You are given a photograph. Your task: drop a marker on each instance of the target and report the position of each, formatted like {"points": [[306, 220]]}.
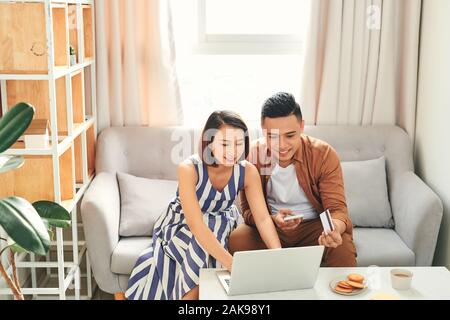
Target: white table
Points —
{"points": [[428, 283]]}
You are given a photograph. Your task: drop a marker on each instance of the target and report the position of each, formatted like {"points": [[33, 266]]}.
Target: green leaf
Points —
{"points": [[14, 123], [15, 247], [49, 229], [54, 214], [8, 163], [24, 225], [46, 224]]}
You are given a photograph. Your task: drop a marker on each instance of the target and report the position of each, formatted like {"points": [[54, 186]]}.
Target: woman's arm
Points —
{"points": [[255, 198], [187, 179]]}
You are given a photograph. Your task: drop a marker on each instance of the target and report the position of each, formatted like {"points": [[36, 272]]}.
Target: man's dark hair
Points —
{"points": [[215, 121], [281, 105]]}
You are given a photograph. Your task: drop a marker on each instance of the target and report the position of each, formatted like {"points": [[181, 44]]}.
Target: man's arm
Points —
{"points": [[245, 208], [332, 192], [261, 216], [243, 202]]}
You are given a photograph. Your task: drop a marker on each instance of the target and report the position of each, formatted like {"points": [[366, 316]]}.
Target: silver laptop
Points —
{"points": [[272, 270]]}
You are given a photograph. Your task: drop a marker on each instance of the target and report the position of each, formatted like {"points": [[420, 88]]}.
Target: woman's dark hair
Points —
{"points": [[215, 121], [281, 105]]}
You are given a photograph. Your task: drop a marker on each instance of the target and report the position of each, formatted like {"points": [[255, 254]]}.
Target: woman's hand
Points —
{"points": [[187, 179], [258, 207], [229, 263]]}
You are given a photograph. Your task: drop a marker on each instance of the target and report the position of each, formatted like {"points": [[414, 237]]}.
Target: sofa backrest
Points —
{"points": [[155, 152]]}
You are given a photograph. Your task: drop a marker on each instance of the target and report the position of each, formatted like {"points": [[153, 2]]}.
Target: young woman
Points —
{"points": [[193, 232]]}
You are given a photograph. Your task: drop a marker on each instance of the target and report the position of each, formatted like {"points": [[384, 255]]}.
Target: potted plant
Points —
{"points": [[73, 56], [28, 226]]}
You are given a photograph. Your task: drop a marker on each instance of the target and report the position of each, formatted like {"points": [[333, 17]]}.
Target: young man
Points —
{"points": [[299, 174]]}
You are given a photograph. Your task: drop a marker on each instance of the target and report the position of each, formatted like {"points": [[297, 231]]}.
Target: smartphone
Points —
{"points": [[293, 217]]}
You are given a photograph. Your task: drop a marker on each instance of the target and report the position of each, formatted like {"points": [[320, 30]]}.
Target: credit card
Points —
{"points": [[327, 223]]}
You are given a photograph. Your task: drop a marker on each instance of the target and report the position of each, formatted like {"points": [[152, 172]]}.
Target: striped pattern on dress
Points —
{"points": [[170, 267]]}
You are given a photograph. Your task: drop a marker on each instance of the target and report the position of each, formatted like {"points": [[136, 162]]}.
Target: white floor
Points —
{"points": [[97, 294]]}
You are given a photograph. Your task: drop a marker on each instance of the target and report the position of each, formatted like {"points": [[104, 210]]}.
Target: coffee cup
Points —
{"points": [[401, 279]]}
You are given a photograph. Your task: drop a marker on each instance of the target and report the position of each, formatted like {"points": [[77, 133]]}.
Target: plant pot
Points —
{"points": [[73, 60]]}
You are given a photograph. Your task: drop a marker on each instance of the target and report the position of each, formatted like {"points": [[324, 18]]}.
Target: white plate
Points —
{"points": [[355, 292]]}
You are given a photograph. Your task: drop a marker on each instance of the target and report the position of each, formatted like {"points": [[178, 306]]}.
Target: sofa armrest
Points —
{"points": [[417, 213], [100, 211]]}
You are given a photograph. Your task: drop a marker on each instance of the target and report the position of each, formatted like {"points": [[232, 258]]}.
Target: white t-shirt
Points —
{"points": [[284, 192]]}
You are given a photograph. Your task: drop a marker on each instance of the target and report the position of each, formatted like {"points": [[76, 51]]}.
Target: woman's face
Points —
{"points": [[228, 145]]}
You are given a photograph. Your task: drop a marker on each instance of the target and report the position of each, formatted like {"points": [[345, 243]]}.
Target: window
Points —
{"points": [[234, 54], [250, 26]]}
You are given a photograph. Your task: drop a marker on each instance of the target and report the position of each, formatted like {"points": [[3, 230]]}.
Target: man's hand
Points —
{"points": [[286, 225], [333, 239]]}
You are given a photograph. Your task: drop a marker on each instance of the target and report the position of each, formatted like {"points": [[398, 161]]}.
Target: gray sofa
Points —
{"points": [[408, 239]]}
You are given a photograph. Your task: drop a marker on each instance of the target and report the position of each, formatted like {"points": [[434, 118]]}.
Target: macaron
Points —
{"points": [[356, 285], [355, 277], [344, 284], [343, 290]]}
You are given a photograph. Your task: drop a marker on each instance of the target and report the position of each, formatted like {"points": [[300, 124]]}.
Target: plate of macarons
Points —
{"points": [[349, 285]]}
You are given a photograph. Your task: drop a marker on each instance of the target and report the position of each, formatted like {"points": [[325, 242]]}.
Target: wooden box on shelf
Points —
{"points": [[88, 32], [88, 91], [23, 36], [36, 92], [78, 153], [90, 154], [34, 180], [73, 32], [78, 101], [60, 35], [37, 135]]}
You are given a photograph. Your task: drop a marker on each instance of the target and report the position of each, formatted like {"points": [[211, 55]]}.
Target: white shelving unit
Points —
{"points": [[73, 129]]}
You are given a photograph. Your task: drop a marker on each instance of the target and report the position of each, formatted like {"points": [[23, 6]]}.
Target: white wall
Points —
{"points": [[432, 149]]}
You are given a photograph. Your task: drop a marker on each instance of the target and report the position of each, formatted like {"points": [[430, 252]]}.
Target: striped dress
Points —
{"points": [[170, 267]]}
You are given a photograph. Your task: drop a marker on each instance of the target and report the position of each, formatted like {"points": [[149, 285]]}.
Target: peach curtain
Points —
{"points": [[136, 76], [361, 62]]}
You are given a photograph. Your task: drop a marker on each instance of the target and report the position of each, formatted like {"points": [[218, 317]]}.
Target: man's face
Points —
{"points": [[283, 136]]}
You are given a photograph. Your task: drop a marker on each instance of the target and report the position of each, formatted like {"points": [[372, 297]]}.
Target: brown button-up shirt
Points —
{"points": [[319, 174]]}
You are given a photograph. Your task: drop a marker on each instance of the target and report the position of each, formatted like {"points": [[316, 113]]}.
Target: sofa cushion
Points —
{"points": [[127, 252], [367, 194], [381, 247], [142, 201]]}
